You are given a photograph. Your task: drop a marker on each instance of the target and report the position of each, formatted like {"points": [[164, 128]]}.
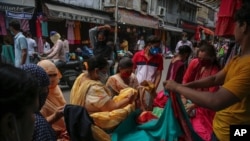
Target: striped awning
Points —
{"points": [[214, 4]]}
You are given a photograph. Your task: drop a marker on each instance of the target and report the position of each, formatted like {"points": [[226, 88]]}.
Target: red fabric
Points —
{"points": [[225, 24], [38, 29], [197, 36], [202, 121], [145, 117], [160, 100]]}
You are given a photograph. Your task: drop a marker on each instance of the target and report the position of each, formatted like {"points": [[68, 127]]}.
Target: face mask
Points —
{"points": [[125, 75], [12, 33], [101, 43], [103, 77], [154, 50], [184, 39], [205, 62]]}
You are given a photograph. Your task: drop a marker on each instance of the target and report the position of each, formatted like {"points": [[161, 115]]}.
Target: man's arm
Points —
{"points": [[215, 101], [92, 34], [214, 80], [24, 56], [55, 49], [24, 49], [157, 78]]}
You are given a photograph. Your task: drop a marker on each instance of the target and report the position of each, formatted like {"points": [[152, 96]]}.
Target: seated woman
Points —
{"points": [[43, 130], [88, 91], [124, 77], [55, 101]]}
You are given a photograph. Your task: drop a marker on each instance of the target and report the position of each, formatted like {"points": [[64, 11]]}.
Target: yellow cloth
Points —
{"points": [[81, 94], [237, 81], [55, 98], [116, 84]]}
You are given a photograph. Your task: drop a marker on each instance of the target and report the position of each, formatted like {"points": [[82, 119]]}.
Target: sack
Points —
{"points": [[146, 95]]}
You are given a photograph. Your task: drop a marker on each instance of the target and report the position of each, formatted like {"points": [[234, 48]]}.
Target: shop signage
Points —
{"points": [[16, 8], [134, 18], [19, 15], [71, 16]]}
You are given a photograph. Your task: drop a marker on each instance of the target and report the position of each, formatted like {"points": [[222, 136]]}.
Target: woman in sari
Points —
{"points": [[201, 67], [89, 91], [176, 71], [124, 77], [55, 102]]}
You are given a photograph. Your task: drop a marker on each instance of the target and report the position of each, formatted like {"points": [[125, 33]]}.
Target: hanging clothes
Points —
{"points": [[70, 34], [77, 30], [25, 26], [39, 34], [45, 28], [2, 25]]}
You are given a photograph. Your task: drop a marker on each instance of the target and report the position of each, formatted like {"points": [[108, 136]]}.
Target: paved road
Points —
{"points": [[66, 90]]}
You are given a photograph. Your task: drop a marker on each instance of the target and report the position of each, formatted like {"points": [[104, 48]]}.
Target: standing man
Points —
{"points": [[66, 47], [232, 101], [20, 44], [32, 46], [148, 63], [46, 45], [98, 39], [183, 41]]}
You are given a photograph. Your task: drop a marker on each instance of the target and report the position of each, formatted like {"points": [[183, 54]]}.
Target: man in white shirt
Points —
{"points": [[32, 46], [46, 45], [183, 41], [66, 47]]}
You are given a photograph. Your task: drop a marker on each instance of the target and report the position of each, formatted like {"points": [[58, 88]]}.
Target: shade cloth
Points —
{"points": [[225, 24]]}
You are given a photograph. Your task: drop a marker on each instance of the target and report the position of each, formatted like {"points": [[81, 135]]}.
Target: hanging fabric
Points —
{"points": [[77, 32], [70, 33], [3, 30]]}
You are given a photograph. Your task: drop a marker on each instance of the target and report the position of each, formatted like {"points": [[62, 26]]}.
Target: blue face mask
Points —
{"points": [[154, 50], [12, 32]]}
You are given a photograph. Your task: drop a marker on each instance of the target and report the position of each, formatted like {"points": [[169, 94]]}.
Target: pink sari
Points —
{"points": [[202, 121]]}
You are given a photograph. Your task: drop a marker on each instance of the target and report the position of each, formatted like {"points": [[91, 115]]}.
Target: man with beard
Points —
{"points": [[98, 39]]}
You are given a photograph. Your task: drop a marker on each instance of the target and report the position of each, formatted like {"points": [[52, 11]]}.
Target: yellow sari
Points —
{"points": [[93, 94]]}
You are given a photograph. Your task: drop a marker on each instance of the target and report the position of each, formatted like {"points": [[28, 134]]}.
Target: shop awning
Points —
{"points": [[172, 28], [20, 9], [132, 17], [206, 30], [79, 14]]}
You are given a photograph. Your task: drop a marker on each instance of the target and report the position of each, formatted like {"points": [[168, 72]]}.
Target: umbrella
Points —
{"points": [[225, 24]]}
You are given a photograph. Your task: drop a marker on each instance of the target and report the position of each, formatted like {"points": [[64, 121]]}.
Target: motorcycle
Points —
{"points": [[69, 70]]}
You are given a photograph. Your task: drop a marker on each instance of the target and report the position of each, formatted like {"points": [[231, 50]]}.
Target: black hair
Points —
{"points": [[15, 24], [97, 62], [243, 14], [18, 90], [125, 62], [185, 49], [153, 39], [211, 51]]}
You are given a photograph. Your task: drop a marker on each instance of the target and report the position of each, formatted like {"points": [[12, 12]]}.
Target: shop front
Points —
{"points": [[73, 22]]}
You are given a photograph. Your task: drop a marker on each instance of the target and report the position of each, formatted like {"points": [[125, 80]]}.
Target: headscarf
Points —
{"points": [[54, 36], [42, 78], [43, 130], [51, 68], [55, 98]]}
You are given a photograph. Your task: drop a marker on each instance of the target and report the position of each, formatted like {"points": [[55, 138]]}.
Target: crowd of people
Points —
{"points": [[214, 94]]}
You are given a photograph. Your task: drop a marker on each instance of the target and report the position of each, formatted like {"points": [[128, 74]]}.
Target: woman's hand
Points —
{"points": [[189, 107]]}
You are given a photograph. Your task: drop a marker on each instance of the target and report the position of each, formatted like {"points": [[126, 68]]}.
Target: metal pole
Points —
{"points": [[116, 22]]}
